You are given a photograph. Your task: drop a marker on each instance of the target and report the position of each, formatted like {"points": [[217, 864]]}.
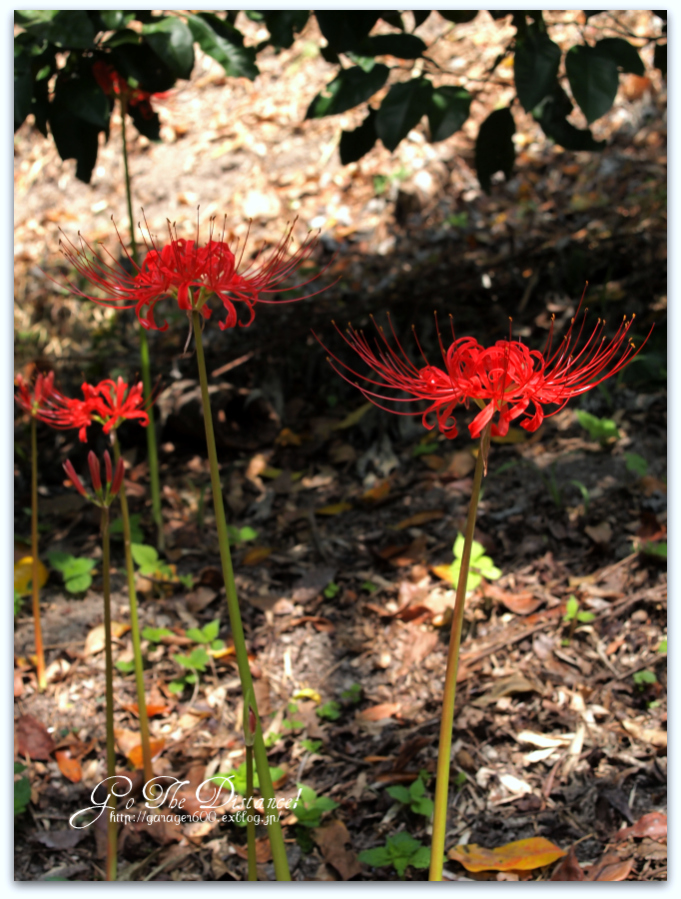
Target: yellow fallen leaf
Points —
{"points": [[334, 509], [307, 693], [23, 575], [256, 555], [379, 492], [444, 572], [94, 642], [353, 417], [521, 855]]}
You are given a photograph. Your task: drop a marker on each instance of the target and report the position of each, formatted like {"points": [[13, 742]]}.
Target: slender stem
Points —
{"points": [[267, 790], [447, 722], [35, 578], [135, 627], [111, 827], [250, 816], [145, 364]]}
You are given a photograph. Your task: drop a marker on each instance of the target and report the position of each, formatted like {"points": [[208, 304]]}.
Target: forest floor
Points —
{"points": [[344, 516]]}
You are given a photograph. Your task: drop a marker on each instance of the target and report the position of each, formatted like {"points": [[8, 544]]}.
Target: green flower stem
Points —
{"points": [[35, 579], [250, 816], [145, 364], [266, 789], [111, 827], [447, 722], [135, 627]]}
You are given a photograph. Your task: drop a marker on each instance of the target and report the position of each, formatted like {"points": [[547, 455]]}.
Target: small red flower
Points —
{"points": [[109, 403], [190, 272], [114, 85], [506, 378], [41, 399]]}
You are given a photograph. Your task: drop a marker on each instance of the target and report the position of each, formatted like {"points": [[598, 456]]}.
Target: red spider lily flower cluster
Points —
{"points": [[190, 272], [114, 85], [103, 495], [110, 403], [40, 399], [506, 378]]}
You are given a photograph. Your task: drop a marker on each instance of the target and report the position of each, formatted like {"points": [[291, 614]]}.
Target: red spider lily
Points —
{"points": [[41, 399], [507, 377], [190, 272], [114, 85], [110, 403], [114, 479]]}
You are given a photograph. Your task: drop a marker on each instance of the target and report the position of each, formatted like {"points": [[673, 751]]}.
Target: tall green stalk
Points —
{"points": [[266, 789], [111, 826], [134, 626], [145, 364], [449, 696], [35, 578]]}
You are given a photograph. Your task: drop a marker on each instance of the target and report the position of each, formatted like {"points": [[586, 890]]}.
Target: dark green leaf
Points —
{"points": [[124, 36], [622, 53], [346, 29], [377, 857], [349, 88], [284, 24], [588, 13], [171, 40], [23, 88], [593, 79], [494, 151], [403, 46], [401, 109], [354, 144], [660, 58], [552, 115], [447, 110], [84, 98], [420, 16], [145, 120], [114, 19], [74, 137], [68, 29], [536, 66], [460, 16], [393, 18], [224, 43], [22, 795], [136, 62]]}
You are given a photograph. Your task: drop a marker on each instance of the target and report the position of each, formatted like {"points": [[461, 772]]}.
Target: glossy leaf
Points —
{"points": [[536, 66], [23, 86], [224, 43], [402, 109], [348, 89], [623, 54], [284, 24], [355, 144], [494, 150], [403, 46], [593, 80], [552, 115], [68, 29], [448, 109], [346, 29], [171, 40]]}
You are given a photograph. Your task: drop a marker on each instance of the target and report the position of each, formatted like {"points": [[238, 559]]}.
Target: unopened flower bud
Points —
{"points": [[107, 467], [95, 474], [73, 477], [118, 477]]}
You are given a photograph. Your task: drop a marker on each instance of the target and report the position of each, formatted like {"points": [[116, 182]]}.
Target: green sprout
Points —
{"points": [[413, 796], [481, 566], [401, 850]]}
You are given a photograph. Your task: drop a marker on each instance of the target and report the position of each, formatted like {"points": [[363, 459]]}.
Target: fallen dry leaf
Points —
{"points": [[69, 767], [18, 683], [599, 533], [420, 518], [568, 868], [507, 686], [23, 575], [334, 509], [518, 603], [654, 736], [378, 712], [520, 855], [94, 642], [60, 839], [263, 851], [653, 825], [332, 840], [32, 738], [134, 756], [609, 868], [376, 493], [256, 555]]}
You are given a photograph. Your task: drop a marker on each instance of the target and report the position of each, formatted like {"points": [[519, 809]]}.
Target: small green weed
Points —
{"points": [[414, 796], [642, 679], [636, 464], [199, 659], [663, 645], [401, 850], [331, 590], [573, 613], [76, 572], [309, 808], [136, 532], [602, 429], [22, 790], [18, 602], [311, 745], [241, 535], [481, 566], [353, 694], [330, 710]]}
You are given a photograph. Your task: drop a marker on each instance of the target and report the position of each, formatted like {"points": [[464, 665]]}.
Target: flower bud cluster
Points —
{"points": [[104, 494]]}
